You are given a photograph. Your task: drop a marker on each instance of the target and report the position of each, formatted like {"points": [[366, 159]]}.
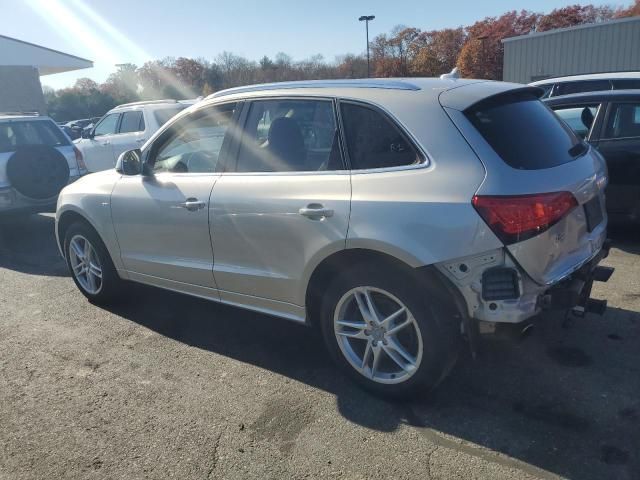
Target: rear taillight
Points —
{"points": [[79, 158], [517, 218]]}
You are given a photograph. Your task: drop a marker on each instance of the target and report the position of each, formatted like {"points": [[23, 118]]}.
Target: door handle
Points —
{"points": [[192, 204], [315, 211], [106, 143]]}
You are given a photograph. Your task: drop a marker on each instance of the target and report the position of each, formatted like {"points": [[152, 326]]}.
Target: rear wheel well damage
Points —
{"points": [[427, 279]]}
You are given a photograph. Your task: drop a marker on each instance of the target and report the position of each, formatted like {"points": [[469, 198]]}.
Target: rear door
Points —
{"points": [[98, 151], [620, 145], [130, 134], [282, 205]]}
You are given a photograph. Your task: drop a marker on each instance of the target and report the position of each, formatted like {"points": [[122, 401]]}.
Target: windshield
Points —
{"points": [[16, 133], [524, 132]]}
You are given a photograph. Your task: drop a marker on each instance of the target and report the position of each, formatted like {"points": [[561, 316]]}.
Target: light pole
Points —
{"points": [[366, 19]]}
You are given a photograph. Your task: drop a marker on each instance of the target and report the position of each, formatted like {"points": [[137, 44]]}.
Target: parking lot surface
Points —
{"points": [[167, 386]]}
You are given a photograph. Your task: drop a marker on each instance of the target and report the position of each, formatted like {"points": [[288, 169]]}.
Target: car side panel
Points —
{"points": [[422, 215]]}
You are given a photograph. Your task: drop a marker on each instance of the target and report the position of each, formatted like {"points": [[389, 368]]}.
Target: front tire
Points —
{"points": [[387, 334], [90, 264]]}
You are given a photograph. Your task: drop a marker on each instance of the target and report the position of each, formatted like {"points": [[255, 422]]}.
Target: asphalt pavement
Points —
{"points": [[166, 386]]}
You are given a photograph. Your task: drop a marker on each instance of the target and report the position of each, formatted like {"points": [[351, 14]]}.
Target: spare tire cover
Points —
{"points": [[38, 171]]}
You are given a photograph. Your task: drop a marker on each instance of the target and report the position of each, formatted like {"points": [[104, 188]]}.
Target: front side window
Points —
{"points": [[132, 122], [579, 117], [373, 141], [623, 121], [194, 143], [107, 126], [290, 136], [524, 133]]}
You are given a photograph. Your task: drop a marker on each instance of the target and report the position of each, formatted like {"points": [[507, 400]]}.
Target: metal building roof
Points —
{"points": [[14, 52]]}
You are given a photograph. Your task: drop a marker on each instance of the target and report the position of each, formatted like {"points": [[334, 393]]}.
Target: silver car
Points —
{"points": [[396, 215]]}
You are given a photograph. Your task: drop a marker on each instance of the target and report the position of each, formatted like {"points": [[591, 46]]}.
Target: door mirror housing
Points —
{"points": [[130, 162], [87, 133]]}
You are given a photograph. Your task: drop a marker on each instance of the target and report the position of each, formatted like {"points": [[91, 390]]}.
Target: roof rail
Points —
{"points": [[360, 83], [17, 114], [147, 102]]}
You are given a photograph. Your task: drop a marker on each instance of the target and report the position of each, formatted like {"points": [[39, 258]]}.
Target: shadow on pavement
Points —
{"points": [[28, 245], [566, 400], [545, 401]]}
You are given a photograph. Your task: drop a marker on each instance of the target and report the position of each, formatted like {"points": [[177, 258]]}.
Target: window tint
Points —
{"points": [[623, 121], [194, 143], [132, 122], [290, 136], [107, 125], [16, 133], [164, 114], [373, 141], [626, 84], [583, 86], [580, 118], [524, 132]]}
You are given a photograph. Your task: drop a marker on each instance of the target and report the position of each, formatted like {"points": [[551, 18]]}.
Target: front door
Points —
{"points": [[620, 146], [162, 218], [131, 133], [98, 151], [281, 205]]}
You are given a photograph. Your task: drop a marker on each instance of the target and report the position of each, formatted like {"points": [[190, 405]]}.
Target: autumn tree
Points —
{"points": [[632, 11], [574, 15], [483, 52]]}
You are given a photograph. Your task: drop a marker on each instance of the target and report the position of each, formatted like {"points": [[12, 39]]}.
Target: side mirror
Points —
{"points": [[86, 133], [130, 162]]}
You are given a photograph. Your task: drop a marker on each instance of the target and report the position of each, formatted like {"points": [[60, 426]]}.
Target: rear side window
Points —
{"points": [[373, 140], [623, 121], [567, 88], [14, 134], [524, 132], [132, 122]]}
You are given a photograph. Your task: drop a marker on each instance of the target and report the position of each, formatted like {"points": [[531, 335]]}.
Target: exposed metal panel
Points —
{"points": [[604, 47]]}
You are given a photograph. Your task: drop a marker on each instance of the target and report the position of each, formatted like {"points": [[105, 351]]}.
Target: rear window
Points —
{"points": [[524, 132], [14, 134], [164, 114]]}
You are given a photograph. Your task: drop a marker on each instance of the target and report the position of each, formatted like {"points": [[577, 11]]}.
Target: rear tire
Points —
{"points": [[402, 346], [90, 264]]}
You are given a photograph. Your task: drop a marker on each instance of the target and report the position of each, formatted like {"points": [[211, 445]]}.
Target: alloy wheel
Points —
{"points": [[378, 335], [85, 264]]}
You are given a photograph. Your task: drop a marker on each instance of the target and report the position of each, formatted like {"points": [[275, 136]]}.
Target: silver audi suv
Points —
{"points": [[396, 215]]}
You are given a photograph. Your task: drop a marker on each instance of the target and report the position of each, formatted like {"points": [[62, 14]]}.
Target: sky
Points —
{"points": [[109, 32]]}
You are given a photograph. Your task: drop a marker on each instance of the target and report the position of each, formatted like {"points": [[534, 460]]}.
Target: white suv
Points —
{"points": [[123, 128]]}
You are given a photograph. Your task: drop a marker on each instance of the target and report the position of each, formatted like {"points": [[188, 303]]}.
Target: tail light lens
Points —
{"points": [[79, 158], [517, 218]]}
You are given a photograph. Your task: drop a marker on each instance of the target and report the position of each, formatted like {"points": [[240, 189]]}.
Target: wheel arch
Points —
{"points": [[426, 277], [65, 220]]}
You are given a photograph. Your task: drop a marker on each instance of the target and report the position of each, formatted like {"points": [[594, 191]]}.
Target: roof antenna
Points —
{"points": [[452, 75]]}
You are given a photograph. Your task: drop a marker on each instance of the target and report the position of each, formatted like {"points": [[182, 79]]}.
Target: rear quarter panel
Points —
{"points": [[421, 215]]}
